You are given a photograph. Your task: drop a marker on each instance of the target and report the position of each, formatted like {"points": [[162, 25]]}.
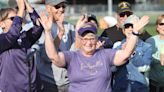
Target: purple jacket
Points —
{"points": [[13, 66], [9, 38]]}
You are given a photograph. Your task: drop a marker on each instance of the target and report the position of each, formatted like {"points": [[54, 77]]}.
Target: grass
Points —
{"points": [[151, 28]]}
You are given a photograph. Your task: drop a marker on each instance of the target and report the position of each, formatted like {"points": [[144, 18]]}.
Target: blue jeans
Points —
{"points": [[130, 86]]}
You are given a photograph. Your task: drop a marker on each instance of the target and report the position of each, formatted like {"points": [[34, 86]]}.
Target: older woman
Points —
{"points": [[14, 73], [130, 76], [89, 69], [156, 72], [9, 36]]}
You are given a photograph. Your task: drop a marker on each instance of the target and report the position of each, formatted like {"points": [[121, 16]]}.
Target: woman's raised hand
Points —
{"points": [[46, 21], [141, 23]]}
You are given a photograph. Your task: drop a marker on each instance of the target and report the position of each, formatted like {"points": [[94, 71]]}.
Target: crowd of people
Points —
{"points": [[49, 54]]}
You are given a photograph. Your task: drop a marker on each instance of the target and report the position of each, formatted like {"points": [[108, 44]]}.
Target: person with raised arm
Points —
{"points": [[53, 78], [14, 69], [89, 66], [130, 77]]}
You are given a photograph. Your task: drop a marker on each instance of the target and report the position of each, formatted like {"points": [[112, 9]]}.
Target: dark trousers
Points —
{"points": [[154, 85], [49, 87]]}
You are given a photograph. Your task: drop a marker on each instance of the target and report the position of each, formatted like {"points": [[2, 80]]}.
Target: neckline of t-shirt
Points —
{"points": [[81, 54]]}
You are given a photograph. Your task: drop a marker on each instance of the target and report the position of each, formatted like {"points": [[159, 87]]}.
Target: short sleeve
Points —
{"points": [[68, 57], [109, 55]]}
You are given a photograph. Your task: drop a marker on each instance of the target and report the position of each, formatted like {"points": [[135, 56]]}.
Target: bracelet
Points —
{"points": [[136, 34]]}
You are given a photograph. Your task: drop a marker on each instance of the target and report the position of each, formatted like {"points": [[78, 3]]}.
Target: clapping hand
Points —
{"points": [[162, 55], [46, 21], [83, 19], [99, 44], [162, 59], [21, 7], [141, 23], [28, 6], [20, 4]]}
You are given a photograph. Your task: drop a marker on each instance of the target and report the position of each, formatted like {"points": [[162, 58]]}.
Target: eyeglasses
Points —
{"points": [[161, 24], [60, 5], [128, 25], [92, 40], [125, 13]]}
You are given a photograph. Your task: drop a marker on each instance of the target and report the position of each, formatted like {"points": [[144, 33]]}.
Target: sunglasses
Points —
{"points": [[11, 18], [60, 5], [128, 25], [161, 24], [125, 13]]}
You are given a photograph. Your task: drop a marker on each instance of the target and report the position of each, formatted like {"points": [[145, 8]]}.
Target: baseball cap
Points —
{"points": [[123, 7], [92, 17], [131, 19], [54, 2], [88, 28]]}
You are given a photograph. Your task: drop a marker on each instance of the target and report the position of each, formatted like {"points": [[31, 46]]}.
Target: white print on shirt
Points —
{"points": [[91, 68]]}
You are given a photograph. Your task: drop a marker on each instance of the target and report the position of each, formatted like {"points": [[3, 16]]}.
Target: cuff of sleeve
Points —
{"points": [[17, 20]]}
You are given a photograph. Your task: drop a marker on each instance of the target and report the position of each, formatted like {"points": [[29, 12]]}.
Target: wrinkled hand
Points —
{"points": [[21, 8], [25, 1], [83, 19], [100, 44], [141, 23], [21, 4], [46, 21], [28, 6]]}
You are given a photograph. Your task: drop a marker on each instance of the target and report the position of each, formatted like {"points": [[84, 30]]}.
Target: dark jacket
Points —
{"points": [[9, 38], [114, 34]]}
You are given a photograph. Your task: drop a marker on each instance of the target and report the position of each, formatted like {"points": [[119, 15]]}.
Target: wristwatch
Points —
{"points": [[135, 33]]}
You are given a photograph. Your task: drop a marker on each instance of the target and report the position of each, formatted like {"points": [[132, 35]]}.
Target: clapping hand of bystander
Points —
{"points": [[162, 56]]}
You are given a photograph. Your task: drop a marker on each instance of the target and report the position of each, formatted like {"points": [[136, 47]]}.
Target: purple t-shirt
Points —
{"points": [[90, 74]]}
